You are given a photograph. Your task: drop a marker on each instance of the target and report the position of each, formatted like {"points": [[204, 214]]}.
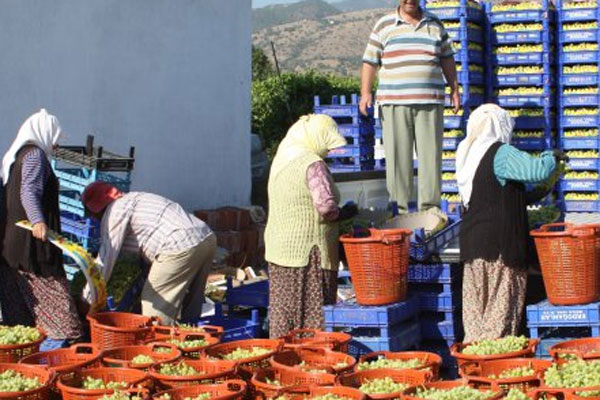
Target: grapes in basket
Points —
{"points": [[18, 334], [142, 359], [329, 396], [382, 386], [516, 394], [179, 369], [241, 354], [504, 345], [517, 372], [119, 395], [97, 383], [574, 374], [457, 393], [12, 381], [188, 344], [202, 396], [380, 363]]}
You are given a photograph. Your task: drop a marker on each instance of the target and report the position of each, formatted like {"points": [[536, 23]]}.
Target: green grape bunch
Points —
{"points": [[142, 359], [516, 394], [413, 363], [241, 354], [382, 386], [12, 381], [457, 393], [188, 344], [508, 344], [18, 334], [90, 383], [329, 396], [120, 395], [202, 396], [517, 372], [178, 369]]}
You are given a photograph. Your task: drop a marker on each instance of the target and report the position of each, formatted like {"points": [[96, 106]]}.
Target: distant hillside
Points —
{"points": [[357, 5], [285, 13], [333, 44]]}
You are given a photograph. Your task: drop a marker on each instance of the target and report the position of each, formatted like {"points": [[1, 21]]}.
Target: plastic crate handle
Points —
{"points": [[84, 348]]}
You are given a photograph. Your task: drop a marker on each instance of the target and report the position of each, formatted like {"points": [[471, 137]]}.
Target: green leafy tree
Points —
{"points": [[261, 65]]}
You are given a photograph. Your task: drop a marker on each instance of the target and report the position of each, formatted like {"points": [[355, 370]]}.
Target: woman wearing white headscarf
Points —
{"points": [[301, 237], [34, 286], [493, 239]]}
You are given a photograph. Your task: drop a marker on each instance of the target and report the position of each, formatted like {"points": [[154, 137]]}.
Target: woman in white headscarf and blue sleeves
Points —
{"points": [[491, 177], [34, 289]]}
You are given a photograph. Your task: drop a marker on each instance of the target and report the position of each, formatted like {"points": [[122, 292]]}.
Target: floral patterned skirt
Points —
{"points": [[297, 295], [493, 299]]}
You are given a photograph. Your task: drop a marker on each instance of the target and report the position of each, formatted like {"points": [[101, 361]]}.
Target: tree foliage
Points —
{"points": [[261, 65]]}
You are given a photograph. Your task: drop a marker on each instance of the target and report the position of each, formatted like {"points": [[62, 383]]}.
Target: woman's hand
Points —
{"points": [[40, 231]]}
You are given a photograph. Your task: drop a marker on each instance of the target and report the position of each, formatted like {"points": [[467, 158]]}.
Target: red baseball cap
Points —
{"points": [[98, 195]]}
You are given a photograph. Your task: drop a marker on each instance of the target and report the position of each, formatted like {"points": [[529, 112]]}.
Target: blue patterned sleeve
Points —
{"points": [[34, 174], [513, 164]]}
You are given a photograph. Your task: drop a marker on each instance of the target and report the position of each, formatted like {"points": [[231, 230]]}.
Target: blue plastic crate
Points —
{"points": [[380, 164], [545, 314], [501, 17], [71, 204], [521, 37], [440, 330], [468, 100], [523, 80], [449, 165], [579, 121], [341, 168], [583, 164], [451, 143], [455, 121], [581, 205], [92, 244], [357, 151], [579, 14], [523, 58], [580, 185], [353, 315], [534, 123], [409, 339], [465, 56], [580, 36], [77, 179], [579, 79], [575, 143], [579, 100], [531, 143], [441, 348], [353, 130], [438, 301], [526, 101], [450, 186], [250, 295], [452, 208], [551, 336], [422, 248], [470, 78], [466, 33], [454, 13], [340, 108], [82, 227], [235, 328], [433, 273], [579, 57]]}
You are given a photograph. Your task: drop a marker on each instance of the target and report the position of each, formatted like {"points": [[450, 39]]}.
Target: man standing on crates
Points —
{"points": [[180, 247], [413, 53]]}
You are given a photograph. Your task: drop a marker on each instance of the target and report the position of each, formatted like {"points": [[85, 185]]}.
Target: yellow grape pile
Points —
{"points": [[573, 47], [528, 134], [520, 48], [451, 4], [520, 91], [472, 46], [580, 4], [521, 69], [580, 111], [503, 28], [448, 176], [582, 196], [579, 26], [525, 5], [449, 113], [581, 133], [526, 112], [582, 154], [472, 90], [448, 155], [472, 68], [452, 198], [580, 69], [581, 175], [456, 25], [588, 90], [453, 133]]}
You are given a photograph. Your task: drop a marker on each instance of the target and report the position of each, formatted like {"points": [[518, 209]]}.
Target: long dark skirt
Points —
{"points": [[297, 295], [29, 299]]}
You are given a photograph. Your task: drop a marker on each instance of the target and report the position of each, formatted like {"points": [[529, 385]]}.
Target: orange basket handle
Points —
{"points": [[164, 330], [569, 230], [473, 380], [370, 356], [471, 367], [234, 385], [162, 345], [537, 394], [84, 348], [394, 237]]}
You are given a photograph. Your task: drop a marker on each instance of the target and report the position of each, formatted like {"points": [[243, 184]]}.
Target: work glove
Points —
{"points": [[349, 210]]}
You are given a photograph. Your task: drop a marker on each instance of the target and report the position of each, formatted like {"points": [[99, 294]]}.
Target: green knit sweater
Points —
{"points": [[294, 226]]}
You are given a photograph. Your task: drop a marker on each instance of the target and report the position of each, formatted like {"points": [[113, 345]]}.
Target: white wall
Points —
{"points": [[171, 77]]}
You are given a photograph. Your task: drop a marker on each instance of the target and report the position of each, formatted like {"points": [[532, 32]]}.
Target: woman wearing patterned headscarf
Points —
{"points": [[301, 237], [34, 285], [493, 239]]}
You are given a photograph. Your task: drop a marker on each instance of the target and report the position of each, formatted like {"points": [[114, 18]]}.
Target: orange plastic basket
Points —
{"points": [[210, 371], [569, 259], [121, 356], [70, 386], [585, 349], [229, 390], [67, 360], [431, 361], [314, 359], [545, 393], [337, 341], [407, 376], [457, 348], [247, 366], [379, 265], [340, 391], [292, 379], [190, 352], [12, 353], [118, 329], [166, 332], [478, 374], [410, 393], [44, 376]]}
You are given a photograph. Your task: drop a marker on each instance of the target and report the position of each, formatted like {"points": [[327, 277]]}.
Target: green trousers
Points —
{"points": [[403, 127]]}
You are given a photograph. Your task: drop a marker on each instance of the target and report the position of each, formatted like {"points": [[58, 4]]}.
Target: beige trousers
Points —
{"points": [[176, 283]]}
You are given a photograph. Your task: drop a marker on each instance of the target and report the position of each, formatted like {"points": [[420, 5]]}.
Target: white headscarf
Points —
{"points": [[487, 125], [41, 129], [315, 134]]}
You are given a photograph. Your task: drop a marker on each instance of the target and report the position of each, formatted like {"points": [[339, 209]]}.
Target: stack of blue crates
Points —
{"points": [[76, 167], [579, 83], [465, 25], [393, 327], [555, 324], [521, 78], [358, 130], [438, 287]]}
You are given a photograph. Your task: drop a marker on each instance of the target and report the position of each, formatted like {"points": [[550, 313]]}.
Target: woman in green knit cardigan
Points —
{"points": [[301, 237]]}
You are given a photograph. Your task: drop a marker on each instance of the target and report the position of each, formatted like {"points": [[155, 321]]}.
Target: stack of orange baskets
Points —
{"points": [[378, 265], [117, 329], [569, 257]]}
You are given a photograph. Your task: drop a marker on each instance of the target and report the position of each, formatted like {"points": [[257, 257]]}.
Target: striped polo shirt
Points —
{"points": [[409, 57]]}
